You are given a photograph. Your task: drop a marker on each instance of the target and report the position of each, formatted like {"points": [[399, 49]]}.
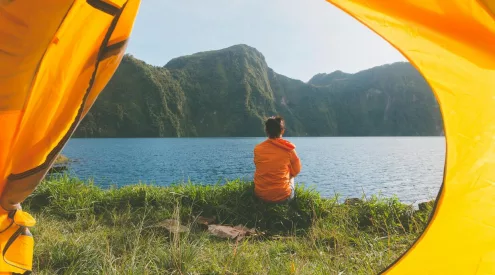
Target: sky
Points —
{"points": [[299, 38]]}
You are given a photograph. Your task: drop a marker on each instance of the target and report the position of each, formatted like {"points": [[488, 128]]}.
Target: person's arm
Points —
{"points": [[295, 164]]}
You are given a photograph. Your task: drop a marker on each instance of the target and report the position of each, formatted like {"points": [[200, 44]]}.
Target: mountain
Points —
{"points": [[230, 92], [327, 79]]}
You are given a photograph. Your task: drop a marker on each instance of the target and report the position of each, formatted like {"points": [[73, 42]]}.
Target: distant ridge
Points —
{"points": [[229, 92]]}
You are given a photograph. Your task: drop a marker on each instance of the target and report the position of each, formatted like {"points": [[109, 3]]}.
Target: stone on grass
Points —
{"points": [[230, 232], [205, 221], [173, 226]]}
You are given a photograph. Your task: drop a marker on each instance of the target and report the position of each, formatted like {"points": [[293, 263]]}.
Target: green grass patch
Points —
{"points": [[84, 229]]}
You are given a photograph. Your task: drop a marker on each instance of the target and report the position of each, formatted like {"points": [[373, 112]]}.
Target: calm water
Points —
{"points": [[411, 168]]}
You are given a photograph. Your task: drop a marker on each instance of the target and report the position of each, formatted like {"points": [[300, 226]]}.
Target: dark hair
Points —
{"points": [[274, 126]]}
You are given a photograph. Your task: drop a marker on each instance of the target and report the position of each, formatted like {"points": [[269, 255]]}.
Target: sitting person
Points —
{"points": [[276, 164]]}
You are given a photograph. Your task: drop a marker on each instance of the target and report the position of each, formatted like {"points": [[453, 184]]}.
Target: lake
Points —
{"points": [[409, 167]]}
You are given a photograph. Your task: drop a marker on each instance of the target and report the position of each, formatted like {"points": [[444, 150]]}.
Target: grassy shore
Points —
{"points": [[83, 229]]}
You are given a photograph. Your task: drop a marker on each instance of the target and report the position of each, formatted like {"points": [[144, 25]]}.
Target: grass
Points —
{"points": [[83, 229]]}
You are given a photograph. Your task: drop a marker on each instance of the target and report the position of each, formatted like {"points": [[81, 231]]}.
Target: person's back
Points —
{"points": [[276, 164]]}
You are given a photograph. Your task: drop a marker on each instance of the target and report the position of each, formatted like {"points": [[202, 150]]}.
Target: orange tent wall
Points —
{"points": [[452, 44]]}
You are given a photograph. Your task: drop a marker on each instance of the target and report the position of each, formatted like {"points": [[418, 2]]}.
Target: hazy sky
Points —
{"points": [[299, 38]]}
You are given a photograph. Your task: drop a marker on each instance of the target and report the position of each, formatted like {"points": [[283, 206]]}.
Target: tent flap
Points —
{"points": [[56, 56], [451, 44]]}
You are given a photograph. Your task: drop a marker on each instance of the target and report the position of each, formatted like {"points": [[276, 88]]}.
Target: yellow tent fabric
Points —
{"points": [[55, 58], [452, 43], [57, 55]]}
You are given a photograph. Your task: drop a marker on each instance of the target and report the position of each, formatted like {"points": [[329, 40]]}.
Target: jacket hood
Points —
{"points": [[280, 142]]}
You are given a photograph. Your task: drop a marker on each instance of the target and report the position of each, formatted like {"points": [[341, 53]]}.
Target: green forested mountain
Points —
{"points": [[230, 92]]}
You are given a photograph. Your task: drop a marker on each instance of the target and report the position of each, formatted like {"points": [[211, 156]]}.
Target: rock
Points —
{"points": [[60, 165], [61, 160], [205, 221], [173, 226], [249, 231], [229, 232], [353, 201]]}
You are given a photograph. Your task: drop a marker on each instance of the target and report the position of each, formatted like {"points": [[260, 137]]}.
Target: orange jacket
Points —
{"points": [[276, 162]]}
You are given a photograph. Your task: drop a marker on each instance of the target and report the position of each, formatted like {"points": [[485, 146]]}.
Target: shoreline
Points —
{"points": [[256, 137], [338, 197]]}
